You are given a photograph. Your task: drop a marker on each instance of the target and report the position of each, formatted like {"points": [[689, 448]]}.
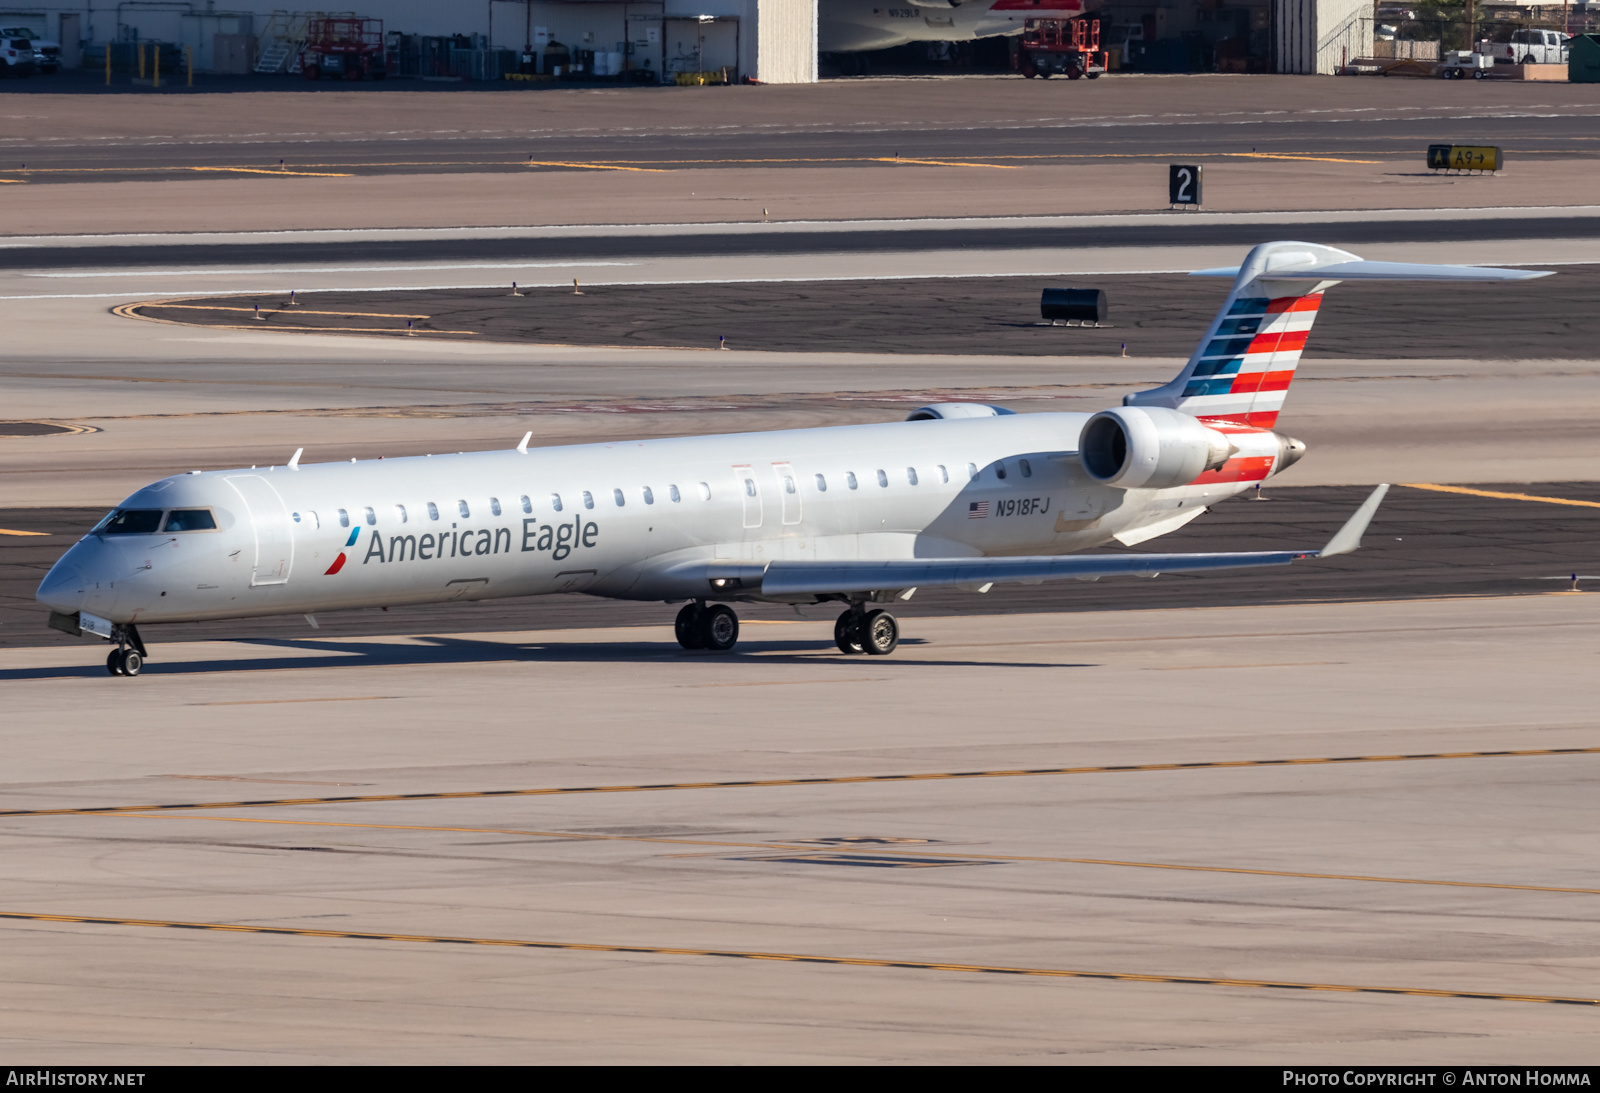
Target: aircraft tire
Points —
{"points": [[114, 662], [879, 633], [686, 627], [130, 662], [845, 632], [719, 628]]}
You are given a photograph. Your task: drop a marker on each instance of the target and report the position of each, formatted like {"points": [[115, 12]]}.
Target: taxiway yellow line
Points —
{"points": [[1286, 155], [770, 783], [846, 850], [1501, 496], [285, 311], [267, 171], [797, 958], [592, 166], [8, 531], [943, 163]]}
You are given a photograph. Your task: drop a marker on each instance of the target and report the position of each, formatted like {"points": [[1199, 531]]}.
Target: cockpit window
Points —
{"points": [[131, 522], [190, 520]]}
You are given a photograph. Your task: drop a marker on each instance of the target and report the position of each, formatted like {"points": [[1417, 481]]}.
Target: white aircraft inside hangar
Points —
{"points": [[963, 494]]}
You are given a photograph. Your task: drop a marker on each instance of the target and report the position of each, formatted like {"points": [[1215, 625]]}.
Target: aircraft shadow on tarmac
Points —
{"points": [[440, 650]]}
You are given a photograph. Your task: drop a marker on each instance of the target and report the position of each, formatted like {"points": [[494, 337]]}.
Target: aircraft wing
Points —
{"points": [[781, 579]]}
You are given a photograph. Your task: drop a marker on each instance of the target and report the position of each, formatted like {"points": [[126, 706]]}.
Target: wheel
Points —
{"points": [[844, 632], [879, 633], [1092, 75], [1044, 73], [114, 662], [1029, 73], [1477, 74], [719, 628], [130, 662], [1074, 73], [687, 626]]}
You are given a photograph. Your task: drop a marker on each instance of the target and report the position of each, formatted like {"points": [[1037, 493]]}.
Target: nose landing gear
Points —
{"points": [[127, 659]]}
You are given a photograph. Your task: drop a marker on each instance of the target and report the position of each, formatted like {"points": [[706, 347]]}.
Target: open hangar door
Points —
{"points": [[1290, 36]]}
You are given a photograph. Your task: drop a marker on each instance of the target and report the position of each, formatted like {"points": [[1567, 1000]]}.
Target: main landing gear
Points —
{"points": [[700, 627], [127, 659], [873, 632], [716, 628]]}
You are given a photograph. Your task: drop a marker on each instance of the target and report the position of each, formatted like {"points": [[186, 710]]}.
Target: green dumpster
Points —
{"points": [[1583, 61]]}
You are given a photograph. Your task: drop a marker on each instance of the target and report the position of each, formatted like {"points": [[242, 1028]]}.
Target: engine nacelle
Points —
{"points": [[946, 411], [1149, 447]]}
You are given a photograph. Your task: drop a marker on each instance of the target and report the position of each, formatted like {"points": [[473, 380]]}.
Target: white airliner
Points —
{"points": [[959, 494], [854, 26]]}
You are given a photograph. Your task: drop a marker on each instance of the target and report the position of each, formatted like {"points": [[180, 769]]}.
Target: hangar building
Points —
{"points": [[773, 41]]}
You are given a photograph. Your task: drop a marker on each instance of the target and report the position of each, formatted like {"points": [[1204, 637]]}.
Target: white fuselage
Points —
{"points": [[853, 26], [634, 518]]}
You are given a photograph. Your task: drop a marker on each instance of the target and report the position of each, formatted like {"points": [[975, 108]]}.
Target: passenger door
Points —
{"points": [[274, 536]]}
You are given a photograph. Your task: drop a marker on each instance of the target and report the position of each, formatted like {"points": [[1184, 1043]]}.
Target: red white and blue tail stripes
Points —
{"points": [[1243, 367]]}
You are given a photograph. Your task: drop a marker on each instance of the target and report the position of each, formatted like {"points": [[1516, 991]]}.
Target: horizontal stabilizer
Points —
{"points": [[1384, 271]]}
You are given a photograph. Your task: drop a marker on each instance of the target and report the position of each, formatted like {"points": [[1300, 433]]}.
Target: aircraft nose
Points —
{"points": [[62, 588]]}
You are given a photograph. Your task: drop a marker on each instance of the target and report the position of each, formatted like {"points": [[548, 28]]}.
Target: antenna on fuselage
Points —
{"points": [[523, 447]]}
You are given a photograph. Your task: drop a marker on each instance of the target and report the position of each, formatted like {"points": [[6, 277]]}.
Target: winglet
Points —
{"points": [[1348, 538], [294, 460], [523, 447]]}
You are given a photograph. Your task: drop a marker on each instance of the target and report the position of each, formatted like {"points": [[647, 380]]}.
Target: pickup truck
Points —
{"points": [[46, 54], [1529, 47]]}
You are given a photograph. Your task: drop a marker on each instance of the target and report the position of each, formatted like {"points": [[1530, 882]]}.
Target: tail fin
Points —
{"points": [[1240, 372]]}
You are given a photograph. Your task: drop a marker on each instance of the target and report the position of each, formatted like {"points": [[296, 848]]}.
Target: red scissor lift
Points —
{"points": [[346, 47], [1061, 47]]}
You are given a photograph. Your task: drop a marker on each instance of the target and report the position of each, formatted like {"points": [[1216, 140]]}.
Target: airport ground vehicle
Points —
{"points": [[1529, 47], [1061, 47], [958, 494], [1458, 64], [46, 53], [17, 57], [343, 47]]}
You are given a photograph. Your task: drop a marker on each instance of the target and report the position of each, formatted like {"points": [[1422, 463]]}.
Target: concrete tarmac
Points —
{"points": [[1450, 876]]}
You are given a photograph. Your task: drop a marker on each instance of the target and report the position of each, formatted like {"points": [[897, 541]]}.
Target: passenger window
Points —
{"points": [[616, 495], [749, 487], [883, 479], [850, 479], [911, 475], [588, 499], [527, 505], [822, 484], [344, 518], [466, 513], [494, 505], [295, 516], [649, 496], [131, 522], [1026, 467], [433, 511], [944, 475], [400, 511], [202, 520], [1000, 471], [788, 484], [672, 492], [555, 501], [972, 471], [372, 517], [705, 492]]}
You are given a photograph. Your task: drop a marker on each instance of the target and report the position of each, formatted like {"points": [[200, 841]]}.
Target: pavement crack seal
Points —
{"points": [[769, 783], [800, 958]]}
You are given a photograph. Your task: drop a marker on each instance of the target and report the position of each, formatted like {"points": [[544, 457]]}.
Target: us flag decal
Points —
{"points": [[977, 510]]}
